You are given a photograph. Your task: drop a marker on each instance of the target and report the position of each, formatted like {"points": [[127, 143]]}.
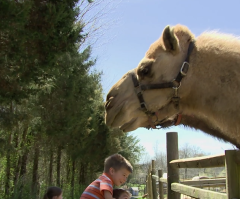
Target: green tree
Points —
{"points": [[33, 35], [130, 148], [52, 110]]}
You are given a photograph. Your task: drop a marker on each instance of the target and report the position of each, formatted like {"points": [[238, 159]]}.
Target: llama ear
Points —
{"points": [[169, 39]]}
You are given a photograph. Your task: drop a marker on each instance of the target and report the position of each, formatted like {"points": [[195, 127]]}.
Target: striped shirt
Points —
{"points": [[96, 189]]}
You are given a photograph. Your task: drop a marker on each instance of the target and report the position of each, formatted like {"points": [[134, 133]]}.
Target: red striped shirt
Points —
{"points": [[96, 189]]}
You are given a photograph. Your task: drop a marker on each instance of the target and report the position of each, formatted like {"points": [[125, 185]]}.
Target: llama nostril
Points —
{"points": [[108, 102], [109, 96]]}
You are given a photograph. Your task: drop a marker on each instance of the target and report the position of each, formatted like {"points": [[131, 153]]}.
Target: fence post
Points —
{"points": [[160, 185], [233, 173], [149, 184], [154, 188], [172, 154]]}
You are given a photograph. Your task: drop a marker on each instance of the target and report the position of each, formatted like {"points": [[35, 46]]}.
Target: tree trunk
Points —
{"points": [[19, 163], [68, 169], [91, 171], [8, 166], [72, 179], [82, 179], [50, 180], [35, 171], [23, 169], [17, 169], [15, 159], [8, 158], [59, 150], [16, 137]]}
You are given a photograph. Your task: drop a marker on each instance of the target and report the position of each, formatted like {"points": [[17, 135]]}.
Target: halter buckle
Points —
{"points": [[184, 70], [143, 105], [178, 86]]}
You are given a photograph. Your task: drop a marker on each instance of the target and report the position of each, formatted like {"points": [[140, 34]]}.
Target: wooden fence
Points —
{"points": [[231, 161]]}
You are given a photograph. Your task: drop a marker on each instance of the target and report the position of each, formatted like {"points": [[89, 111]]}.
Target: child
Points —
{"points": [[53, 193], [121, 194], [116, 172]]}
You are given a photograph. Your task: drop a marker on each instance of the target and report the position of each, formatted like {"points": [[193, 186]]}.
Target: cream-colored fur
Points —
{"points": [[210, 91]]}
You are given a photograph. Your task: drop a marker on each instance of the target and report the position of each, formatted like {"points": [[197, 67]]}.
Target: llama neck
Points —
{"points": [[211, 88], [203, 124]]}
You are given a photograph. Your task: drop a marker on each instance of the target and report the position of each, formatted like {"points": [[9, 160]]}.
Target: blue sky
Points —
{"points": [[137, 24]]}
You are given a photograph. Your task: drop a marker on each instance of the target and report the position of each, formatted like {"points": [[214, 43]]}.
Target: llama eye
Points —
{"points": [[145, 71]]}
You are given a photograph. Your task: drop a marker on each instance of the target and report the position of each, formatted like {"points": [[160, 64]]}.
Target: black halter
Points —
{"points": [[174, 84]]}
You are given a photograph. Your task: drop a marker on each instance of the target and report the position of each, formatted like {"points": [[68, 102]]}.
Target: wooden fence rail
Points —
{"points": [[231, 161]]}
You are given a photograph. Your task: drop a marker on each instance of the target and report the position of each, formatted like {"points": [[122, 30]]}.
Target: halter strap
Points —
{"points": [[185, 65], [175, 84], [178, 120]]}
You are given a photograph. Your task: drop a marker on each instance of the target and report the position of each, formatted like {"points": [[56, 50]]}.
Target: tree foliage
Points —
{"points": [[33, 35], [51, 102]]}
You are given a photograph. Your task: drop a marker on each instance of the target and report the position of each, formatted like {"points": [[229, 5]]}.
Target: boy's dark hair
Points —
{"points": [[51, 192], [117, 161], [118, 192]]}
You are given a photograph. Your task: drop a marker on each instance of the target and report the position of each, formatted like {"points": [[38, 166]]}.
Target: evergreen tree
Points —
{"points": [[51, 105], [33, 35]]}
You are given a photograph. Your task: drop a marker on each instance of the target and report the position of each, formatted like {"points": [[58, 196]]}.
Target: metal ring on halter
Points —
{"points": [[182, 68], [176, 87]]}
